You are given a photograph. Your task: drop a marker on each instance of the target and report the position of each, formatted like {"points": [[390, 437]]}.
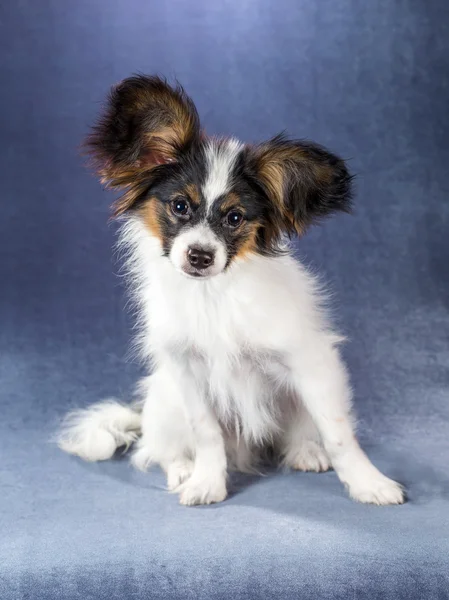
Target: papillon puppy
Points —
{"points": [[241, 353]]}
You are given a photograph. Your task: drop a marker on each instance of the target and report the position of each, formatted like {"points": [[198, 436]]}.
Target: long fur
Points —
{"points": [[96, 432], [239, 333], [241, 351]]}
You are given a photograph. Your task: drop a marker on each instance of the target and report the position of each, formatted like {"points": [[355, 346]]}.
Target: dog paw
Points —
{"points": [[310, 456], [202, 491], [380, 490], [178, 472]]}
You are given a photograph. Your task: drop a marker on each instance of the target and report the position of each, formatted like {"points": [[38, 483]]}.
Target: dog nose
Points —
{"points": [[200, 259]]}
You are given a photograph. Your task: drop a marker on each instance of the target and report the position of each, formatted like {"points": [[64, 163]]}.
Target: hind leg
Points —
{"points": [[301, 446], [167, 437]]}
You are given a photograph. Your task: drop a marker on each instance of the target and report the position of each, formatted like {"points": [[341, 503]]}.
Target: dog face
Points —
{"points": [[208, 201]]}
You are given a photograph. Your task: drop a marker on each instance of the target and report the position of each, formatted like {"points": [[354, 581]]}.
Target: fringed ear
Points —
{"points": [[146, 124], [303, 181]]}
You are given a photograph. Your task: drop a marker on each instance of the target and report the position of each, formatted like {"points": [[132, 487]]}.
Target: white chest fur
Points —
{"points": [[235, 332]]}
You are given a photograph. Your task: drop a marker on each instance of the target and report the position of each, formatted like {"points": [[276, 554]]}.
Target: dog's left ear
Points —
{"points": [[304, 181]]}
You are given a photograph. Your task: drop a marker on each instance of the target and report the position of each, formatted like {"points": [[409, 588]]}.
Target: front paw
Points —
{"points": [[202, 490], [378, 490]]}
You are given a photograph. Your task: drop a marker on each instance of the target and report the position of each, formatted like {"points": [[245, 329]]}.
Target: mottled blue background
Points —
{"points": [[368, 79]]}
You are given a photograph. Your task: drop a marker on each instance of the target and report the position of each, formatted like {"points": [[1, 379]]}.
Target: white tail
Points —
{"points": [[96, 432]]}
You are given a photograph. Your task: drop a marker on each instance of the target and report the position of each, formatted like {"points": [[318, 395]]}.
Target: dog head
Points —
{"points": [[208, 201]]}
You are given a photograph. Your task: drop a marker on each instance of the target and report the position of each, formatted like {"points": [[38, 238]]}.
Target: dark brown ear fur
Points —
{"points": [[146, 124], [303, 181]]}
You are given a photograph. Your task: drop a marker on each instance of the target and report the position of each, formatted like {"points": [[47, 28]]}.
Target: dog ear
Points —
{"points": [[303, 181], [146, 124]]}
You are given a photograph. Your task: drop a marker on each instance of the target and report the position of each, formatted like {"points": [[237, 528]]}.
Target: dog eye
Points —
{"points": [[234, 218], [180, 207]]}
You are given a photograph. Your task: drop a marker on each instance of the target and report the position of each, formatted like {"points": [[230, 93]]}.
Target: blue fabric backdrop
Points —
{"points": [[371, 81]]}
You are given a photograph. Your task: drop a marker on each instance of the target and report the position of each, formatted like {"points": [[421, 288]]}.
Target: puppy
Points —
{"points": [[241, 353]]}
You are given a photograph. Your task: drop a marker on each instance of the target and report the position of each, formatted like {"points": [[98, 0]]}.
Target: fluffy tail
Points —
{"points": [[96, 432]]}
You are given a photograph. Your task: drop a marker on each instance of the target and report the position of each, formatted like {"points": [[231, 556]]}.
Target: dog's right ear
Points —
{"points": [[146, 124]]}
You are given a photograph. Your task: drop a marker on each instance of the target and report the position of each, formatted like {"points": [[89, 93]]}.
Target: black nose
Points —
{"points": [[200, 259]]}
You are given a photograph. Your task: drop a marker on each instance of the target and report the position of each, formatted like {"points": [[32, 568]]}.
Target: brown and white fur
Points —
{"points": [[241, 353]]}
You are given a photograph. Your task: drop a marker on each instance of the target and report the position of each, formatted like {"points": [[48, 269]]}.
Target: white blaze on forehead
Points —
{"points": [[220, 161]]}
